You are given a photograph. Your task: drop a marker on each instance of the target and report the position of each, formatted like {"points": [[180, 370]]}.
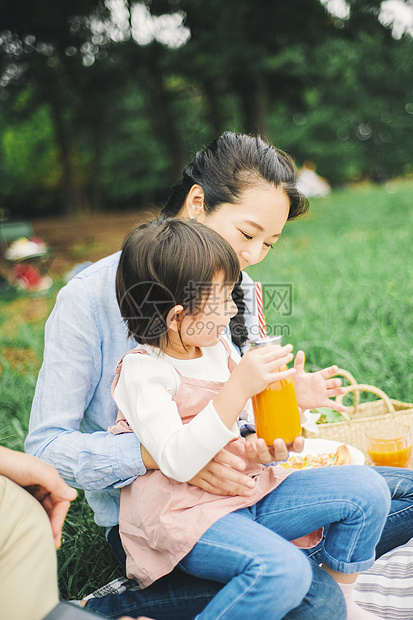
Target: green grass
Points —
{"points": [[85, 560], [349, 262], [350, 266]]}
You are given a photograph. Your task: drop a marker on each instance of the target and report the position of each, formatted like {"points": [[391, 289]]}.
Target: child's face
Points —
{"points": [[203, 329]]}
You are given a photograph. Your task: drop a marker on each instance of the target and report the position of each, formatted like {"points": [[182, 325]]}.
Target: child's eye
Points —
{"points": [[269, 245]]}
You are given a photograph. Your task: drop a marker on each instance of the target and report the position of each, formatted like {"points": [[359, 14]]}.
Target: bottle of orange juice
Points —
{"points": [[275, 408]]}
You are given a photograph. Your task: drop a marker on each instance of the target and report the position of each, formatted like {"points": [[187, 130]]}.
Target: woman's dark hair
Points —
{"points": [[231, 164], [165, 263], [225, 169]]}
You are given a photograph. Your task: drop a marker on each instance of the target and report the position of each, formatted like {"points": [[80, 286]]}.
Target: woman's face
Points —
{"points": [[253, 225]]}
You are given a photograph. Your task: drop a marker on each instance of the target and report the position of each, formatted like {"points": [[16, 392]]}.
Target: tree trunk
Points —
{"points": [[215, 110], [253, 98], [96, 196], [74, 201], [163, 119]]}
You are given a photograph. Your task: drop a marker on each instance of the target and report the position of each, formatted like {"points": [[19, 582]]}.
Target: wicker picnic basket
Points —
{"points": [[352, 430]]}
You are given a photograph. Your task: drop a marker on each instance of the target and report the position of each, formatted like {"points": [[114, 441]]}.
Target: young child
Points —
{"points": [[182, 391]]}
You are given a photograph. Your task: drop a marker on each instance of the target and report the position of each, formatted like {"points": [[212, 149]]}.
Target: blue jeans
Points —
{"points": [[398, 528], [248, 550], [180, 596]]}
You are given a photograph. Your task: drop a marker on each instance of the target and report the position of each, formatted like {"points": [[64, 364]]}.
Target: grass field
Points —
{"points": [[350, 267], [344, 294]]}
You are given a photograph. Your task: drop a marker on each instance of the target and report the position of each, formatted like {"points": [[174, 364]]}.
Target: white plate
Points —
{"points": [[321, 446]]}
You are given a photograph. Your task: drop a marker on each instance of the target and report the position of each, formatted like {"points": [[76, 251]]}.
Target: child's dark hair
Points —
{"points": [[228, 166], [165, 263]]}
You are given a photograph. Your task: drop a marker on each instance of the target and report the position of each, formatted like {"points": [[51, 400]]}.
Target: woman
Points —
{"points": [[236, 186]]}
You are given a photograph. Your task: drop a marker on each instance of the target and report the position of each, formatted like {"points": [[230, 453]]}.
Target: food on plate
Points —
{"points": [[340, 457]]}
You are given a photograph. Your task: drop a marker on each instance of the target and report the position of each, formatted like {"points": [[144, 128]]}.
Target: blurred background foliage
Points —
{"points": [[103, 103]]}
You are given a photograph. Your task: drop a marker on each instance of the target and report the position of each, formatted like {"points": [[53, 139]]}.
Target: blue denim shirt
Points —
{"points": [[85, 338]]}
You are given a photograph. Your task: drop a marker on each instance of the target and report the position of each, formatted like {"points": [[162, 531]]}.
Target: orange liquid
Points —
{"points": [[276, 412], [392, 458]]}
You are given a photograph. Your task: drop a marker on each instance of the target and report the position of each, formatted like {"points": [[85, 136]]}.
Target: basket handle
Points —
{"points": [[347, 375], [363, 387]]}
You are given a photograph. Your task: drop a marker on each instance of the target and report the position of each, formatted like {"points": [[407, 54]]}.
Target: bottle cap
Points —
{"points": [[259, 342]]}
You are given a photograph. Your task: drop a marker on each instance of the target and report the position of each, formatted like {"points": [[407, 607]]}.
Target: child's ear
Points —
{"points": [[174, 318]]}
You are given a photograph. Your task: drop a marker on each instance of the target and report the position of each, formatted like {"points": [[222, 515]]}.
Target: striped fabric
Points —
{"points": [[386, 589], [117, 586]]}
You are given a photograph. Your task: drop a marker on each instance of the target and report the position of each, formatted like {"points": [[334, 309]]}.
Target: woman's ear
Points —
{"points": [[174, 318], [194, 203]]}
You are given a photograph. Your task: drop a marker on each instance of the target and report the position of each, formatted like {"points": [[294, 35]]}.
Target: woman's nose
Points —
{"points": [[252, 255]]}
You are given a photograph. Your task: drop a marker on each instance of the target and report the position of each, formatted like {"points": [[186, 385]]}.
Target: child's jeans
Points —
{"points": [[265, 574]]}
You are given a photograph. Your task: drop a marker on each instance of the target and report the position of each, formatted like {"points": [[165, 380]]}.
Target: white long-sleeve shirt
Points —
{"points": [[84, 340], [144, 394]]}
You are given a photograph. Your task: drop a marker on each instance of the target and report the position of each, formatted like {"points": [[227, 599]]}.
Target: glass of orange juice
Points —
{"points": [[275, 408], [389, 443]]}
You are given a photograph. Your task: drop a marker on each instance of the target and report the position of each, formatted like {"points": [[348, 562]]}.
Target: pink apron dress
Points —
{"points": [[161, 519]]}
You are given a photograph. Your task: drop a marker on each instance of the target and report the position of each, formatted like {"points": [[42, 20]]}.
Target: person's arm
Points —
{"points": [[43, 482], [70, 381], [144, 394]]}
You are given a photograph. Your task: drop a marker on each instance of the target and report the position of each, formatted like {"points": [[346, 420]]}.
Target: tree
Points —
{"points": [[131, 96]]}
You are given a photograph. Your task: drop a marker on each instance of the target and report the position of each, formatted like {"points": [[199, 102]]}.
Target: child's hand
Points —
{"points": [[315, 389], [257, 451], [257, 369], [261, 366]]}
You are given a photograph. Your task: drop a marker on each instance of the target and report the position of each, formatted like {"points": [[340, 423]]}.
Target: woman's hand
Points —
{"points": [[43, 482], [257, 451], [223, 476], [315, 389]]}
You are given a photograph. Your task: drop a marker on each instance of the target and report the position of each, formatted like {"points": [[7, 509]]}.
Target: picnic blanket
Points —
{"points": [[386, 589]]}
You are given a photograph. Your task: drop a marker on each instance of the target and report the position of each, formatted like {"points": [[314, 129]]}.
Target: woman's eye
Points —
{"points": [[268, 245], [249, 237]]}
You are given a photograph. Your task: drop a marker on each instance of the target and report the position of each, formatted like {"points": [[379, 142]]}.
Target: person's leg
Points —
{"points": [[353, 500], [176, 595], [323, 601], [116, 545], [28, 577], [386, 587], [398, 528], [264, 574], [182, 596]]}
